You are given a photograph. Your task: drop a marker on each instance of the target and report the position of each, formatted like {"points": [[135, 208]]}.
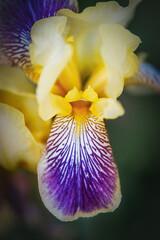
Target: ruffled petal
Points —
{"points": [[77, 174], [117, 49], [17, 145], [112, 12], [16, 20], [18, 92], [104, 13], [147, 75], [84, 28]]}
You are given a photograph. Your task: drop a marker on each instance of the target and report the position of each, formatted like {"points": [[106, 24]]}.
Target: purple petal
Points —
{"points": [[77, 175], [147, 75], [16, 20]]}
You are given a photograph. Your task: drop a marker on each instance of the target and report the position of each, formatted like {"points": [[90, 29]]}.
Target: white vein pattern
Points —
{"points": [[77, 174]]}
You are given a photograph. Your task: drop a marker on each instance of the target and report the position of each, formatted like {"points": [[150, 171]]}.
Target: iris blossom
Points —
{"points": [[78, 65]]}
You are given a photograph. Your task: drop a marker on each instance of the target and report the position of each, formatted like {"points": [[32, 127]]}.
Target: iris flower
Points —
{"points": [[78, 65]]}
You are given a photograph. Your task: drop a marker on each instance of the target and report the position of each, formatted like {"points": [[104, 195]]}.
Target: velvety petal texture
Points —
{"points": [[16, 20], [77, 174], [146, 75]]}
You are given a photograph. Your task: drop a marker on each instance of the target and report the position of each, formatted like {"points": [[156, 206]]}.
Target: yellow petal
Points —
{"points": [[55, 105], [107, 108], [73, 95], [85, 29], [70, 75], [104, 13], [46, 39], [60, 105], [18, 92], [87, 44], [86, 41], [17, 145], [14, 80], [49, 50], [98, 79], [90, 95], [111, 12], [117, 49]]}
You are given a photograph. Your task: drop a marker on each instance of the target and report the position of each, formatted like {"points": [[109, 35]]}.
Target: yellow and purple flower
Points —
{"points": [[79, 64]]}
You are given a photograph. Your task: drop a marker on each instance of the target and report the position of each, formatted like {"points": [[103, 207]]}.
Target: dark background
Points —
{"points": [[136, 146]]}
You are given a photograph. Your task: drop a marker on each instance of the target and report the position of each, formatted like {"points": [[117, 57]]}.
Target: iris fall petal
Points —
{"points": [[146, 75], [77, 175]]}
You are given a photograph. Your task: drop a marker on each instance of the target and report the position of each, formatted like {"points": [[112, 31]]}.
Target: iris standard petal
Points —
{"points": [[117, 49], [104, 13], [16, 20], [45, 36], [84, 27], [17, 145], [51, 53], [112, 12], [77, 175], [146, 75]]}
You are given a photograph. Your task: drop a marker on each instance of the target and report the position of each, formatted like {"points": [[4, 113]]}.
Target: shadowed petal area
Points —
{"points": [[77, 174], [16, 20], [18, 92], [17, 145], [147, 75]]}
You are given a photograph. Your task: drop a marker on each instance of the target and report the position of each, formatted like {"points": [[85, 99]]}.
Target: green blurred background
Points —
{"points": [[136, 146]]}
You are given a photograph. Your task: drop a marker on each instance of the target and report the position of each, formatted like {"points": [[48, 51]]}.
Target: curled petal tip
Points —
{"points": [[77, 175], [147, 75]]}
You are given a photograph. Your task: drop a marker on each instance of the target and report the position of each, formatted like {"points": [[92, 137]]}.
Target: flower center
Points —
{"points": [[80, 110]]}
